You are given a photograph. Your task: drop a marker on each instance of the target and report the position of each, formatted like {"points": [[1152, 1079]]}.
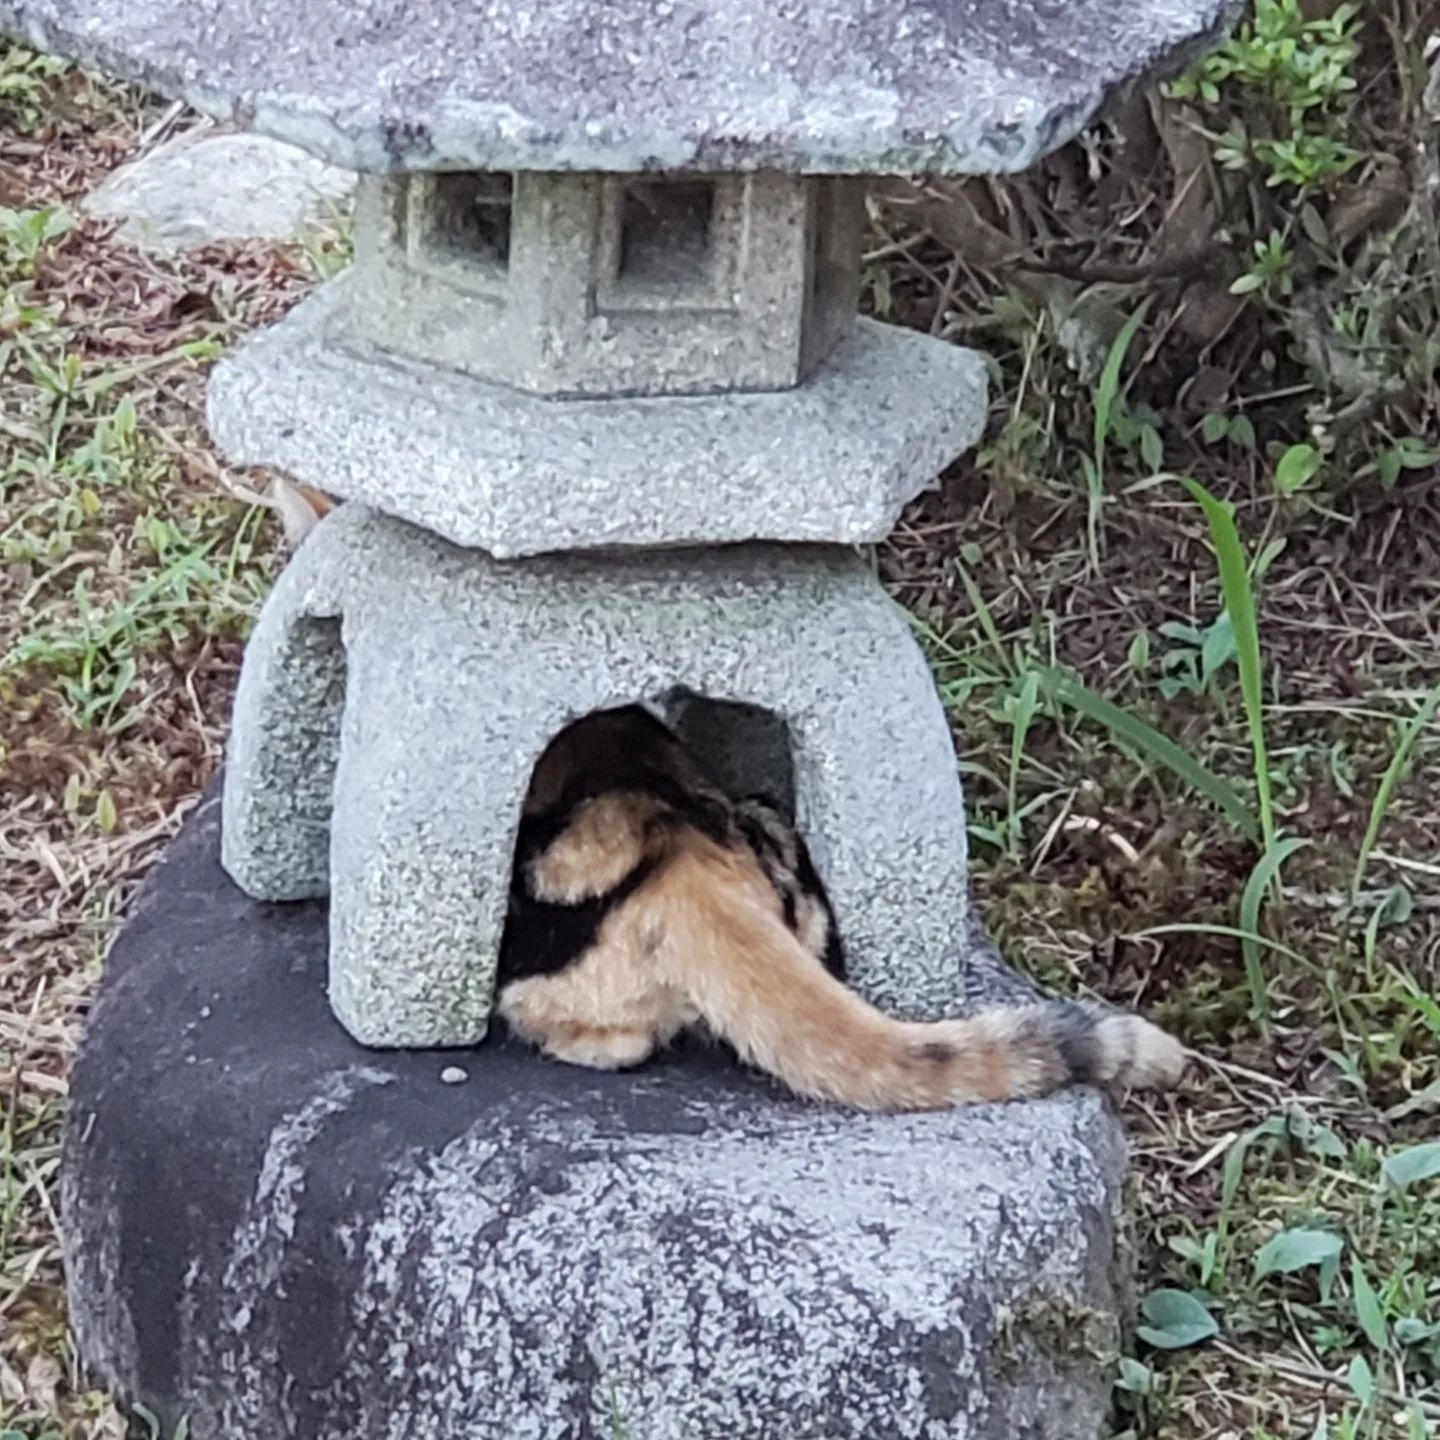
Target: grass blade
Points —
{"points": [[1240, 603], [1399, 762], [1107, 391], [1229, 932], [1066, 689], [1021, 714], [1251, 899], [1107, 388], [985, 619]]}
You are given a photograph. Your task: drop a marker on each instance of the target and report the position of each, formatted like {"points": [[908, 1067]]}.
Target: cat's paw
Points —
{"points": [[601, 1047]]}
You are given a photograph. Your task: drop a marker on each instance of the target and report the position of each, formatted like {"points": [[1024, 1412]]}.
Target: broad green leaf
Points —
{"points": [[1296, 469], [1409, 1167], [1325, 1143], [1411, 1331], [1218, 647], [1368, 1309], [1152, 447], [1361, 1379], [1397, 906], [1187, 1248], [1175, 1319], [1134, 1377], [1178, 630], [1267, 557], [1295, 1249], [1316, 1138]]}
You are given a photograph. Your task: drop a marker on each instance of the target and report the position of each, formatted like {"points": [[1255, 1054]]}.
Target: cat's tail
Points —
{"points": [[729, 953]]}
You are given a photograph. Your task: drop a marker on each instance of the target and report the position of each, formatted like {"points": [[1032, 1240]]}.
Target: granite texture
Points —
{"points": [[816, 86], [594, 285], [276, 1233], [457, 672], [834, 460], [201, 188]]}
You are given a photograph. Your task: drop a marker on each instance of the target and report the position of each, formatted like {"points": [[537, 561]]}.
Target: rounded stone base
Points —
{"points": [[278, 1233]]}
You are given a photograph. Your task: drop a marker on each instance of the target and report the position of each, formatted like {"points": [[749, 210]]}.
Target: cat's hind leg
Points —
{"points": [[608, 1010]]}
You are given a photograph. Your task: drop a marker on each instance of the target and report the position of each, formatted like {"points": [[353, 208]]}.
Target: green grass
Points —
{"points": [[128, 578], [1233, 827]]}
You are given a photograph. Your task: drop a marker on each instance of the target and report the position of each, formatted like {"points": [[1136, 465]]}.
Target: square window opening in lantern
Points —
{"points": [[469, 223], [665, 234]]}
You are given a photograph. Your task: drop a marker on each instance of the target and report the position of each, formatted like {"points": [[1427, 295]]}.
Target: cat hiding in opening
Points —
{"points": [[646, 901]]}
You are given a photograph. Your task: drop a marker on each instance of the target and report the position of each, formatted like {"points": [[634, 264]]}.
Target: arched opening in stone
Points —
{"points": [[745, 749]]}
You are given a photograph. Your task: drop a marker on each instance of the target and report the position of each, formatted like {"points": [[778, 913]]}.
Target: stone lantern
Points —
{"points": [[610, 429], [600, 403]]}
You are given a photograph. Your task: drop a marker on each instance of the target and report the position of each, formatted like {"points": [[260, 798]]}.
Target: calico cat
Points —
{"points": [[645, 901]]}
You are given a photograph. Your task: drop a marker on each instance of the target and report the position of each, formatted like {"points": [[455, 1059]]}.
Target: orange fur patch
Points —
{"points": [[603, 843]]}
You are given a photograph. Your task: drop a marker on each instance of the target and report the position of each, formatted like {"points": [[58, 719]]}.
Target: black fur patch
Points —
{"points": [[759, 839], [809, 880], [1072, 1030], [789, 909], [834, 956], [935, 1052], [542, 938]]}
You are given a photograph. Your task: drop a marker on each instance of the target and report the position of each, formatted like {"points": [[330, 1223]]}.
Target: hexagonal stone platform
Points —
{"points": [[277, 1233], [833, 460]]}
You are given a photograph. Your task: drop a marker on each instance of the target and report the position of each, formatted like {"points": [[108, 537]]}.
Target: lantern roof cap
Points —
{"points": [[805, 86]]}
